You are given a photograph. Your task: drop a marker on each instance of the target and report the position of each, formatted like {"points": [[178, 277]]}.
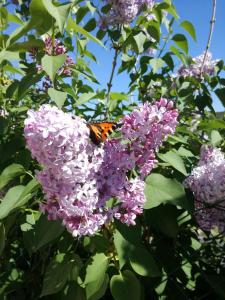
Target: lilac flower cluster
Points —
{"points": [[207, 182], [61, 144], [124, 11], [146, 128], [79, 178], [194, 69]]}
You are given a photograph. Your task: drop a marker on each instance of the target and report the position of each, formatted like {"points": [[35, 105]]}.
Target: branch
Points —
{"points": [[212, 22], [109, 84]]}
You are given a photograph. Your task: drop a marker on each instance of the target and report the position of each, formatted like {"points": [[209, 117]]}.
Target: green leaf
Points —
{"points": [[8, 55], [28, 191], [173, 12], [96, 268], [17, 197], [212, 124], [14, 19], [89, 77], [24, 46], [125, 286], [10, 173], [82, 11], [10, 201], [13, 70], [123, 248], [74, 292], [154, 30], [125, 240], [118, 96], [59, 13], [57, 96], [57, 273], [159, 189], [221, 95], [140, 39], [2, 237], [164, 219], [26, 82], [94, 291], [156, 63], [40, 18], [78, 29], [95, 281], [19, 32], [51, 64], [91, 25], [178, 54], [4, 125], [184, 152], [42, 233], [143, 263], [189, 27], [181, 41], [85, 97], [174, 160], [216, 138]]}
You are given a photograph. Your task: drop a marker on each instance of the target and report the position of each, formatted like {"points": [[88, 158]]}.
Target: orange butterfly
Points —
{"points": [[99, 131]]}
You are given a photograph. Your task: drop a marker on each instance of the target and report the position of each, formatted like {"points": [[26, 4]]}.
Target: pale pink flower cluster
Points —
{"points": [[124, 11], [207, 182], [146, 128], [79, 178], [194, 69], [61, 145]]}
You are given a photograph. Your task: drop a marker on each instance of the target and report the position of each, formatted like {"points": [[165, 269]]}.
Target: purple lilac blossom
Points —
{"points": [[61, 145], [78, 177], [146, 128], [124, 11], [194, 69], [207, 182]]}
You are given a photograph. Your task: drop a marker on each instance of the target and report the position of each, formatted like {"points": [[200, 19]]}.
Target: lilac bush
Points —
{"points": [[78, 177], [207, 182], [194, 69]]}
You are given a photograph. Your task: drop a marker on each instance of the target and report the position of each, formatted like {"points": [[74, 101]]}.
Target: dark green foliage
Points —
{"points": [[165, 255]]}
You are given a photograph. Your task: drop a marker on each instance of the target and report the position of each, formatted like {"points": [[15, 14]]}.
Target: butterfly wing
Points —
{"points": [[100, 131]]}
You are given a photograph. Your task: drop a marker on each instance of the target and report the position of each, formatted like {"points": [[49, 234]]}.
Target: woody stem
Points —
{"points": [[109, 84], [212, 23]]}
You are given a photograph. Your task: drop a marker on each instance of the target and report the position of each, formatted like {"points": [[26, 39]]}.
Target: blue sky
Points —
{"points": [[196, 11]]}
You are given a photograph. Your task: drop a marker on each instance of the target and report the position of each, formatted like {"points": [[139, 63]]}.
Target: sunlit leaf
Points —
{"points": [[159, 189], [174, 160], [57, 96], [10, 173], [78, 29], [189, 27], [59, 13], [181, 42], [125, 286], [51, 64]]}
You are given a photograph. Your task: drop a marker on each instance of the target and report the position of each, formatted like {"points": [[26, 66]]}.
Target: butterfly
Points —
{"points": [[99, 131]]}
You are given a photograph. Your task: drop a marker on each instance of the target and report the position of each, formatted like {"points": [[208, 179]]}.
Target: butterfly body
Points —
{"points": [[99, 131]]}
